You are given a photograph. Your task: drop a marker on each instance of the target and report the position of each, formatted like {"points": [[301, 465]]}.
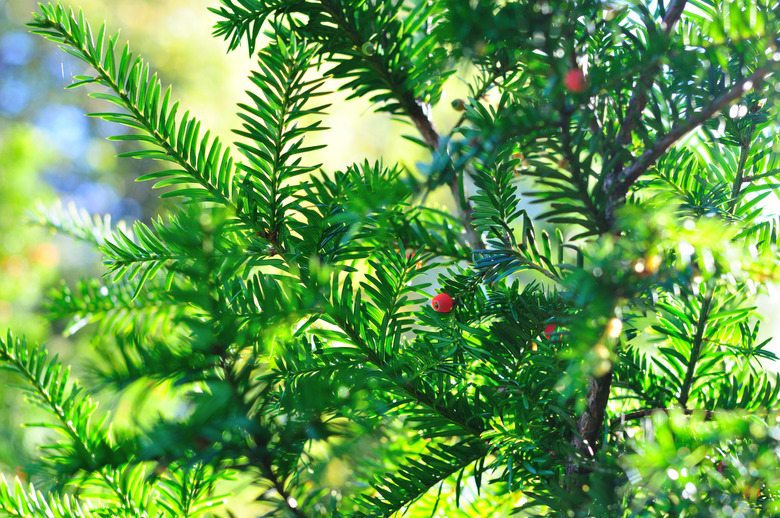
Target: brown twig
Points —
{"points": [[425, 126], [638, 100], [647, 412], [590, 422], [268, 471], [628, 176], [414, 109]]}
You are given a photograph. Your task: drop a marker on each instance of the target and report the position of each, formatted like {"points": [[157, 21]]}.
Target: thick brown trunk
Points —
{"points": [[588, 430]]}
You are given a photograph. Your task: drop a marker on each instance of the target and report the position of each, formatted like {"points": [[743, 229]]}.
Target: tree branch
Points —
{"points": [[628, 176], [698, 342], [638, 101], [267, 469], [739, 179], [414, 109], [647, 412], [588, 427]]}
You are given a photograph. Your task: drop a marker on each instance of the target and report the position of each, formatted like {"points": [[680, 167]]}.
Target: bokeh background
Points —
{"points": [[50, 151]]}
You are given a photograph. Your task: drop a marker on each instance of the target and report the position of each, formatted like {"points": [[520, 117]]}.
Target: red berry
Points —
{"points": [[549, 330], [574, 81], [459, 105], [442, 303]]}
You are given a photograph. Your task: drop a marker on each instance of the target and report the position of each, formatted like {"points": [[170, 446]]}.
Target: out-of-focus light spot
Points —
{"points": [[16, 48], [14, 96], [6, 310], [46, 254], [95, 198], [292, 502], [13, 242], [63, 182], [614, 328], [672, 474], [126, 209], [337, 473], [66, 128], [100, 154], [180, 22], [14, 266], [689, 492], [737, 111]]}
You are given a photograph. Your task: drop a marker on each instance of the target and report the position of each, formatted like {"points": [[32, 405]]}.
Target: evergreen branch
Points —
{"points": [[739, 177], [588, 427], [414, 480], [189, 490], [276, 139], [384, 66], [73, 409], [426, 399], [644, 84], [579, 181], [154, 360], [290, 503], [114, 307], [376, 330], [30, 503], [368, 72], [488, 81], [177, 245], [202, 161], [247, 19], [73, 222], [146, 252], [624, 179], [696, 348], [390, 71], [647, 412]]}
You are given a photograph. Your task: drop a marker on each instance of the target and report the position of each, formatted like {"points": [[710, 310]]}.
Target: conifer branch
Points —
{"points": [[414, 109], [48, 384], [414, 480], [696, 348], [647, 412], [628, 176], [638, 100], [644, 84], [27, 502], [739, 177], [411, 389], [268, 471]]}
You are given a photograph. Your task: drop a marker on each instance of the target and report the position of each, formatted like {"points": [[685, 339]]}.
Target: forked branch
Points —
{"points": [[628, 176]]}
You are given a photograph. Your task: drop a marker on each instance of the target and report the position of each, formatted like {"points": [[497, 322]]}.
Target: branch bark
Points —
{"points": [[588, 428], [431, 137], [268, 470], [590, 422], [638, 101], [414, 109], [647, 412], [628, 176]]}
